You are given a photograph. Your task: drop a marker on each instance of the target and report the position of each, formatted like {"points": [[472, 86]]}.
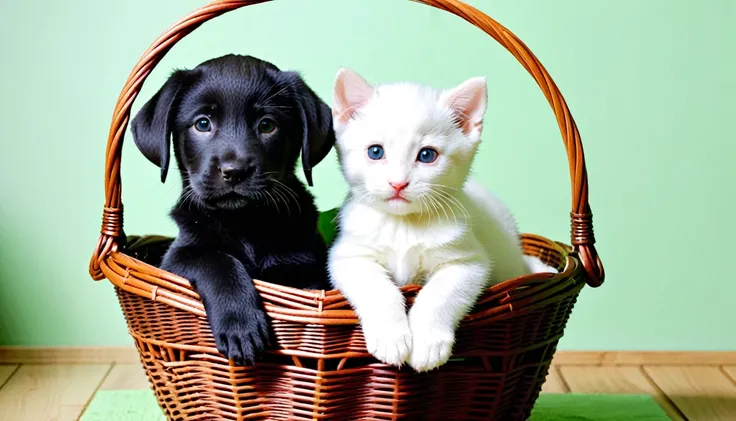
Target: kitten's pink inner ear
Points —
{"points": [[350, 94], [468, 102]]}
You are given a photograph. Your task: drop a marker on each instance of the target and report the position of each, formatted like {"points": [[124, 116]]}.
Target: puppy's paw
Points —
{"points": [[241, 337], [389, 342], [431, 348]]}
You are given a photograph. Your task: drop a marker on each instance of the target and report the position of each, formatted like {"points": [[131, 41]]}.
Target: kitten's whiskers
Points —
{"points": [[438, 206], [453, 200], [444, 201]]}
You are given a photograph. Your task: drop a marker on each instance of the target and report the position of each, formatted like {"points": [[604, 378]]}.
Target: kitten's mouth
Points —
{"points": [[397, 198]]}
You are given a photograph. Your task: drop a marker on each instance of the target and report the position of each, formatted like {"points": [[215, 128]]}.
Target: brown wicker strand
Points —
{"points": [[581, 233], [112, 221]]}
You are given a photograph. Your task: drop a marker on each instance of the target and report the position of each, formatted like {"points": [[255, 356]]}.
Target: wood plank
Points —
{"points": [[638, 358], [701, 393], [68, 355], [126, 376], [49, 392], [554, 382], [5, 372], [616, 380], [730, 371]]}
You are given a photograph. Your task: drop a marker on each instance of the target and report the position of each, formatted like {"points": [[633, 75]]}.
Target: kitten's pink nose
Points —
{"points": [[399, 186]]}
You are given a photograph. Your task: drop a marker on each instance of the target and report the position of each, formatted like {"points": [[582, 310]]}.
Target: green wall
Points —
{"points": [[650, 83]]}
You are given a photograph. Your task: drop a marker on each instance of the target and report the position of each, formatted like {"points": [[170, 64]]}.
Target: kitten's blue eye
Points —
{"points": [[375, 152], [427, 155], [203, 125]]}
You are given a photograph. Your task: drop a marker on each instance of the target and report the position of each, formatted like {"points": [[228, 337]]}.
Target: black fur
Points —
{"points": [[242, 214]]}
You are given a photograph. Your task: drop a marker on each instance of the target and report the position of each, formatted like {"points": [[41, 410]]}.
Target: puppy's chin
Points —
{"points": [[238, 200], [232, 201], [251, 194]]}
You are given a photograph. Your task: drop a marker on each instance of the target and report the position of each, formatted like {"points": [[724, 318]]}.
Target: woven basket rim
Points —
{"points": [[507, 299], [306, 306]]}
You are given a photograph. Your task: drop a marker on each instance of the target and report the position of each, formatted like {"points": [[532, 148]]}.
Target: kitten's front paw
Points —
{"points": [[430, 348], [388, 342]]}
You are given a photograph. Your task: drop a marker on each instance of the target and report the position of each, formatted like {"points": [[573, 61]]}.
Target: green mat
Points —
{"points": [[140, 405]]}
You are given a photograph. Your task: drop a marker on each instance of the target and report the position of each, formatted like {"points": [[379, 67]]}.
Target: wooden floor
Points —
{"points": [[45, 392]]}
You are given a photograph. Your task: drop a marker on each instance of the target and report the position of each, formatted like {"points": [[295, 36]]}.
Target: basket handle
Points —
{"points": [[581, 216]]}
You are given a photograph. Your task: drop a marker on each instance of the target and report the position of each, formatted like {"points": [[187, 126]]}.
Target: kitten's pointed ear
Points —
{"points": [[318, 135], [468, 102], [350, 93], [151, 127]]}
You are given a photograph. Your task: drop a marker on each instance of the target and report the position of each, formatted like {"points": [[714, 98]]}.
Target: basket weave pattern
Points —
{"points": [[319, 368]]}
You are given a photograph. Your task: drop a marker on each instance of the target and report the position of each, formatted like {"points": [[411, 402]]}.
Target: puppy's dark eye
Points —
{"points": [[203, 124], [266, 126]]}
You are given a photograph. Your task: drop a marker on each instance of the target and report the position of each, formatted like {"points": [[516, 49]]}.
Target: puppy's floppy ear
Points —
{"points": [[318, 135], [152, 126]]}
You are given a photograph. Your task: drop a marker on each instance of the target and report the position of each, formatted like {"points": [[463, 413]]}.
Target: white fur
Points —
{"points": [[452, 236]]}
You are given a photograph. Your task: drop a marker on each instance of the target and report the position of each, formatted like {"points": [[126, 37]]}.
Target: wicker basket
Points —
{"points": [[319, 367]]}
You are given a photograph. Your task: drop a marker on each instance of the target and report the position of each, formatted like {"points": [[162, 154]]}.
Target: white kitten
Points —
{"points": [[411, 217]]}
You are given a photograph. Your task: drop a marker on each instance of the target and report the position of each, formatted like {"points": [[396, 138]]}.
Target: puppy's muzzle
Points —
{"points": [[234, 173]]}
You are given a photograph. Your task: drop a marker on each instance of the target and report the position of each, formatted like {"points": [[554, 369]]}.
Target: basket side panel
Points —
{"points": [[498, 372]]}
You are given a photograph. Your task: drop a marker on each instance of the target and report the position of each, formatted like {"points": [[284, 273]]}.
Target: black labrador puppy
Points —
{"points": [[239, 125]]}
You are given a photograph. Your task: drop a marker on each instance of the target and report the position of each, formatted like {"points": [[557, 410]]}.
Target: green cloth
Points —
{"points": [[585, 407], [123, 405], [140, 405], [327, 225]]}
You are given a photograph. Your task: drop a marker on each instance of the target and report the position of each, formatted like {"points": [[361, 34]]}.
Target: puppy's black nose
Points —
{"points": [[234, 174]]}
